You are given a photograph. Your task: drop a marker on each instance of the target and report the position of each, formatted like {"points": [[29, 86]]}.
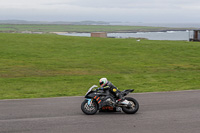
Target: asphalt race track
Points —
{"points": [[166, 112]]}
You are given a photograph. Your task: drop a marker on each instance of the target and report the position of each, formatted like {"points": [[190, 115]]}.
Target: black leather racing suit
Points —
{"points": [[112, 89]]}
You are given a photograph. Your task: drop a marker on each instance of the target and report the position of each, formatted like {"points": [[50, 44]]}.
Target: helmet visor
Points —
{"points": [[101, 82]]}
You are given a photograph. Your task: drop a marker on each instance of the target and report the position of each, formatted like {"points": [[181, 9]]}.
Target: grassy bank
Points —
{"points": [[48, 65], [79, 28]]}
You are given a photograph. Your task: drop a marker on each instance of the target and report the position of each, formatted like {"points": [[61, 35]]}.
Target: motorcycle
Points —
{"points": [[104, 101]]}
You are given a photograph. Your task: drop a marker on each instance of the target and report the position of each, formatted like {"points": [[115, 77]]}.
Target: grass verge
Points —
{"points": [[48, 65]]}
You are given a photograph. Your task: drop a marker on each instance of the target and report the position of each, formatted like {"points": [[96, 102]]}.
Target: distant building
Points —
{"points": [[99, 34], [196, 36]]}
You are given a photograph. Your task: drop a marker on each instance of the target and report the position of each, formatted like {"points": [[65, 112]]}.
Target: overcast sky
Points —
{"points": [[102, 10]]}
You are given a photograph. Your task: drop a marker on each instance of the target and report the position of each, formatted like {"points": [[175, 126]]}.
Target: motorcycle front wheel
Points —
{"points": [[90, 109], [134, 106]]}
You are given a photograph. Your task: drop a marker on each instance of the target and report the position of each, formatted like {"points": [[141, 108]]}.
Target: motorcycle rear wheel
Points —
{"points": [[134, 108], [89, 109]]}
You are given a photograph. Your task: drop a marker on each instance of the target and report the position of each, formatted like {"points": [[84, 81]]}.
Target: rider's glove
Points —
{"points": [[100, 88]]}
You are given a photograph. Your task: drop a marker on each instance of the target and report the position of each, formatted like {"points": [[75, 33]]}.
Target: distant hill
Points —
{"points": [[54, 22]]}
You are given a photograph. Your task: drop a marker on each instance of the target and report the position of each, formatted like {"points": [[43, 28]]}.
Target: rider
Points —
{"points": [[105, 84]]}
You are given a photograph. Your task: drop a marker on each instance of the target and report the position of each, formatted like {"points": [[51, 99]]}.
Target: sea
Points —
{"points": [[168, 35]]}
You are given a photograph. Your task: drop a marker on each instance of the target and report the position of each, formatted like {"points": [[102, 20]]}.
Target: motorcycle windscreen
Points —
{"points": [[91, 89]]}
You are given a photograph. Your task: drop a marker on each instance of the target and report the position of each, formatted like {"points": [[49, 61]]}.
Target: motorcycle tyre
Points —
{"points": [[87, 112], [128, 111]]}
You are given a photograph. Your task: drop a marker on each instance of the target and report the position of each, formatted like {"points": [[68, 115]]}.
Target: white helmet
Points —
{"points": [[103, 82]]}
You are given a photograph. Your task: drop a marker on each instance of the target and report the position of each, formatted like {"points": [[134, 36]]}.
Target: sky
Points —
{"points": [[149, 11]]}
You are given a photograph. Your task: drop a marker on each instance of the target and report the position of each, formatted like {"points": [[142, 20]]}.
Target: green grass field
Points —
{"points": [[79, 28], [47, 65]]}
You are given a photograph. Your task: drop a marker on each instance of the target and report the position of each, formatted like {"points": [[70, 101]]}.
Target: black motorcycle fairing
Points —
{"points": [[100, 97], [90, 95]]}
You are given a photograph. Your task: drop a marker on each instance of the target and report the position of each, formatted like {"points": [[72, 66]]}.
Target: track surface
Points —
{"points": [[168, 112]]}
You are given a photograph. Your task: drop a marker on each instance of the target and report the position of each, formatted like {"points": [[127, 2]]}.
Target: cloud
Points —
{"points": [[105, 10]]}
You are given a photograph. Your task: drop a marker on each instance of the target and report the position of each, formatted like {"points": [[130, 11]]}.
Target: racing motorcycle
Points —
{"points": [[104, 101]]}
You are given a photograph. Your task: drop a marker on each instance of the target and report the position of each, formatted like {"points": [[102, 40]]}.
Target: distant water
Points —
{"points": [[169, 35]]}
